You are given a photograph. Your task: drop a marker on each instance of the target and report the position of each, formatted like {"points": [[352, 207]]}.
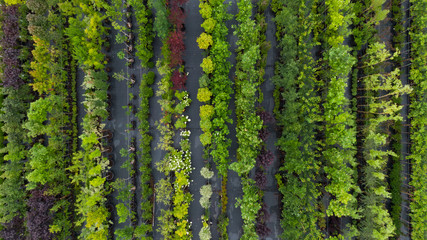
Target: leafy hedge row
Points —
{"points": [[89, 167], [297, 112], [144, 52], [265, 156], [339, 148], [418, 75], [248, 122], [395, 175]]}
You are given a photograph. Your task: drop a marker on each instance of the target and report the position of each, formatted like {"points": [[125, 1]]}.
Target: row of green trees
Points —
{"points": [[248, 122], [376, 110], [418, 76], [53, 115], [144, 52], [310, 92], [297, 113], [89, 167], [17, 96]]}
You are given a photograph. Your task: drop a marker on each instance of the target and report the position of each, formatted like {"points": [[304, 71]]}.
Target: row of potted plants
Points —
{"points": [[215, 90], [376, 110], [265, 156], [398, 128], [172, 190], [126, 207], [144, 46], [89, 168], [51, 116]]}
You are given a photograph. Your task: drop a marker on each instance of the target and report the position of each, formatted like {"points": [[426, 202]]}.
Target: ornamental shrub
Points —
{"points": [[206, 173], [13, 230], [204, 95], [207, 65], [205, 10], [176, 47], [164, 191], [206, 111], [176, 16], [209, 25], [206, 192], [206, 138], [206, 125], [178, 80], [39, 216], [205, 233], [204, 81], [204, 41], [260, 179], [265, 157]]}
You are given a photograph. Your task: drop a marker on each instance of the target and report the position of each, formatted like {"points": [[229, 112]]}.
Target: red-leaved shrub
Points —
{"points": [[178, 80], [265, 157], [176, 16], [177, 47]]}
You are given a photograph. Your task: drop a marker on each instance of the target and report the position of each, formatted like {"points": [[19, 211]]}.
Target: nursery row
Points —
{"points": [[338, 93]]}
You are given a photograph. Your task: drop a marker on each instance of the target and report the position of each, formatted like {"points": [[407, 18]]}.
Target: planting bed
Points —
{"points": [[213, 119]]}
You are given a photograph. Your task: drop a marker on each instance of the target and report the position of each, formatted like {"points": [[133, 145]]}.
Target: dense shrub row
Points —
{"points": [[215, 90], [338, 152], [395, 173], [248, 122], [52, 116], [418, 74], [296, 112], [15, 60], [144, 53], [89, 167]]}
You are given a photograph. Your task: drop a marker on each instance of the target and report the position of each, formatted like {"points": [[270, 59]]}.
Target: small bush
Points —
{"points": [[206, 112], [206, 138], [204, 95], [205, 233], [207, 65], [204, 41], [206, 173]]}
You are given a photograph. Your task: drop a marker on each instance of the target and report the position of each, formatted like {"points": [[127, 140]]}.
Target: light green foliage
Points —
{"points": [[122, 212], [209, 25], [206, 193], [418, 111], [206, 138], [206, 173], [204, 95], [163, 191], [204, 41], [207, 65], [206, 111], [205, 233]]}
